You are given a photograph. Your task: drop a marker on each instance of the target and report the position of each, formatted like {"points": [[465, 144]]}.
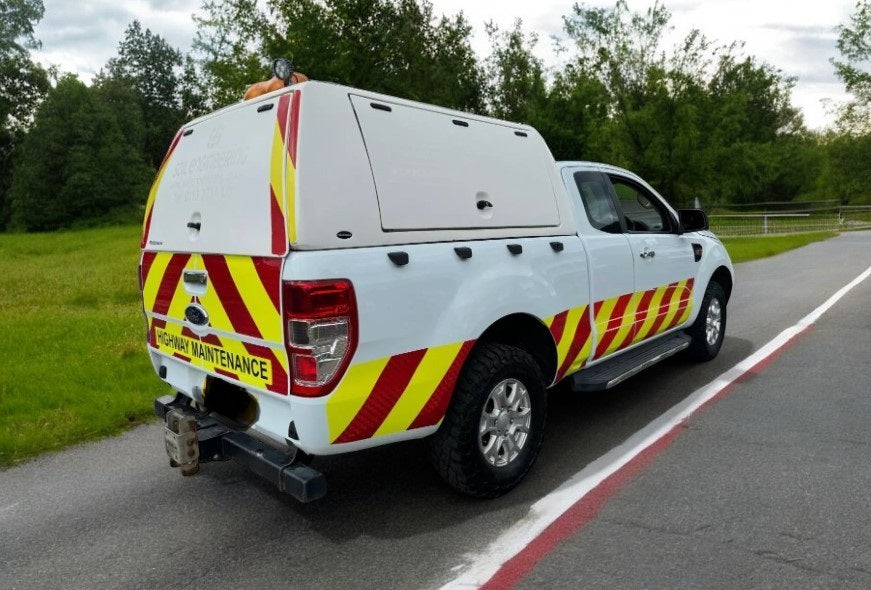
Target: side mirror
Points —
{"points": [[693, 219]]}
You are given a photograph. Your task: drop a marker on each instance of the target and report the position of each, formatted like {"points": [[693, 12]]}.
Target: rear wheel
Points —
{"points": [[492, 431], [709, 329]]}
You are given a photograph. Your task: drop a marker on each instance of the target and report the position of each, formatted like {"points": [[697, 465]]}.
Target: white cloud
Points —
{"points": [[80, 37]]}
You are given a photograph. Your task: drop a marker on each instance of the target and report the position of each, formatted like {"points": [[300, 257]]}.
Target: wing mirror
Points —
{"points": [[693, 220]]}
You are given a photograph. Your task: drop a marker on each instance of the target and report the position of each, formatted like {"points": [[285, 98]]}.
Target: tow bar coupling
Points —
{"points": [[180, 436], [193, 437]]}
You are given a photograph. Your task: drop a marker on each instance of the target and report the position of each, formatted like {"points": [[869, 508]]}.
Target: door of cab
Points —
{"points": [[662, 258], [609, 259]]}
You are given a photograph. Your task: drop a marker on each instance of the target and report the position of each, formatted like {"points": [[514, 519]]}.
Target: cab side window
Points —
{"points": [[642, 212], [596, 198]]}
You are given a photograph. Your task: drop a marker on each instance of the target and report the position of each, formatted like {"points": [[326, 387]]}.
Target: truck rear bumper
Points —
{"points": [[193, 437]]}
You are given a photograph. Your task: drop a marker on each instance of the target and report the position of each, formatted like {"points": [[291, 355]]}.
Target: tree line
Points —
{"points": [[699, 120]]}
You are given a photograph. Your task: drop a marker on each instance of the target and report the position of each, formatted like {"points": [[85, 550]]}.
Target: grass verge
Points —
{"points": [[751, 248], [72, 354]]}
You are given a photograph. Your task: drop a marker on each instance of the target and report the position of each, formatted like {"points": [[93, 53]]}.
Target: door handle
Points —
{"points": [[647, 253], [195, 277]]}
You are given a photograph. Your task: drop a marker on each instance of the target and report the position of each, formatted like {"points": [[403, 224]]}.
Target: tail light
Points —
{"points": [[320, 332]]}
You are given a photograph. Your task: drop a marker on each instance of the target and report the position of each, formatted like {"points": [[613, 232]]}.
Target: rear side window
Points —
{"points": [[596, 198]]}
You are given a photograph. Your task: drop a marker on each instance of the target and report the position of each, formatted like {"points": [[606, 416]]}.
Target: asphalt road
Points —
{"points": [[715, 509]]}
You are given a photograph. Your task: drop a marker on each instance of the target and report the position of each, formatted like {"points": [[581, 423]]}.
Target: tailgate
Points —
{"points": [[219, 313], [215, 235]]}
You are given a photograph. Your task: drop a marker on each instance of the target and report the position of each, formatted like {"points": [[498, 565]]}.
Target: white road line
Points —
{"points": [[482, 566]]}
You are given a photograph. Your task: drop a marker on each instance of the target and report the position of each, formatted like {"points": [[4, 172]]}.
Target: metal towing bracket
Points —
{"points": [[193, 437]]}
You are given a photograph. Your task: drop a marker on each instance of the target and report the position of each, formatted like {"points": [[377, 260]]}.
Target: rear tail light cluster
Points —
{"points": [[320, 330]]}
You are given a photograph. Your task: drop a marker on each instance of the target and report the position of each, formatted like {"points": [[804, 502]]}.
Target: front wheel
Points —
{"points": [[492, 431], [709, 329]]}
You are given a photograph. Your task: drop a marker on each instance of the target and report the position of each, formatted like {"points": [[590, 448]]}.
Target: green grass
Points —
{"points": [[73, 364], [744, 249]]}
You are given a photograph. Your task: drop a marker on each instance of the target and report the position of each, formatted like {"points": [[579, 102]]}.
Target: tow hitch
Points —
{"points": [[193, 437]]}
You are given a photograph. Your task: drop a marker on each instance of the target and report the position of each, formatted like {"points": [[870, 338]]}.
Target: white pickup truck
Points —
{"points": [[326, 269]]}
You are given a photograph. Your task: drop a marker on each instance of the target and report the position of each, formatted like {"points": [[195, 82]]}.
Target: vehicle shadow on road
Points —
{"points": [[392, 492]]}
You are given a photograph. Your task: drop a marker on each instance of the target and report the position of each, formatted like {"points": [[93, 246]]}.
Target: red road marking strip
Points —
{"points": [[574, 519], [588, 506]]}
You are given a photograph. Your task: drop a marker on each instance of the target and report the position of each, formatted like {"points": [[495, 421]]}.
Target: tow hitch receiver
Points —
{"points": [[180, 436], [193, 437]]}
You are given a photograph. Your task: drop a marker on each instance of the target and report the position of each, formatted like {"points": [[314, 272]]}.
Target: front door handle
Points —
{"points": [[647, 253]]}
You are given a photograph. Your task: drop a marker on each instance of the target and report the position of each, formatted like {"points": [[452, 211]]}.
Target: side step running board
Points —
{"points": [[613, 371], [193, 438]]}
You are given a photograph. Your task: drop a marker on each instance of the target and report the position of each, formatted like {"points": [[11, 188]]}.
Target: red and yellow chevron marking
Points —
{"points": [[571, 334], [282, 172], [394, 394], [668, 306], [628, 319], [149, 204], [619, 322], [242, 298]]}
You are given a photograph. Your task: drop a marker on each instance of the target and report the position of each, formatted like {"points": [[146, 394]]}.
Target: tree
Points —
{"points": [[22, 84], [228, 42], [848, 155], [697, 121], [854, 44], [394, 46], [17, 20], [515, 76], [148, 64], [76, 166]]}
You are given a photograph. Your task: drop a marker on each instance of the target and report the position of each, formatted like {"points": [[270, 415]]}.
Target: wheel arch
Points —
{"points": [[723, 276], [529, 333]]}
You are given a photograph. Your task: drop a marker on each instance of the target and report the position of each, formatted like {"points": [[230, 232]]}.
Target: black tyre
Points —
{"points": [[493, 429], [709, 329]]}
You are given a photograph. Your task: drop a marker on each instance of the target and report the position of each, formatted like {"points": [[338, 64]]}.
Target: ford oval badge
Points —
{"points": [[196, 314]]}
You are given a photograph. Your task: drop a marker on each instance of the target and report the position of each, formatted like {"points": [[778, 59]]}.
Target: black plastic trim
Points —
{"points": [[463, 252], [460, 123], [520, 133], [398, 258], [557, 246], [380, 107], [264, 107], [515, 248], [187, 132], [218, 443]]}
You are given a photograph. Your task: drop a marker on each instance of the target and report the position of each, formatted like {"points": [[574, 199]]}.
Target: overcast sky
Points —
{"points": [[795, 36]]}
